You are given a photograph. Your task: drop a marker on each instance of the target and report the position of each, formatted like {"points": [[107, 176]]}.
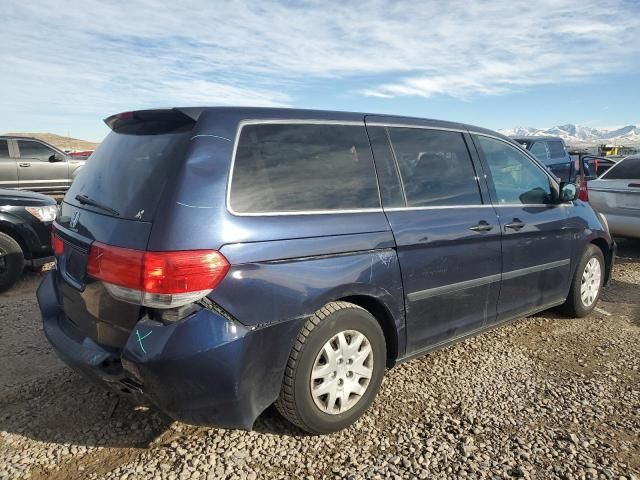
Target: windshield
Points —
{"points": [[128, 173]]}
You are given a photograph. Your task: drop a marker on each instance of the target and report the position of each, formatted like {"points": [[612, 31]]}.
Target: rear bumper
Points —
{"points": [[203, 370]]}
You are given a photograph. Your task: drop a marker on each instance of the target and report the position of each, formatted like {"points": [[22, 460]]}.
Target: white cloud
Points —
{"points": [[97, 57]]}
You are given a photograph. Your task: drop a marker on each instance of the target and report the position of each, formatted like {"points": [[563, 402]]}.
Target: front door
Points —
{"points": [[37, 169], [448, 239], [536, 238]]}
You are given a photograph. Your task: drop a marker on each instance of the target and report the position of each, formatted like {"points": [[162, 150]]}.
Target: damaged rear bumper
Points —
{"points": [[203, 370]]}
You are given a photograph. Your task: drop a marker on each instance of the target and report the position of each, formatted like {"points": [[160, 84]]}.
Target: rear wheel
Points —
{"points": [[334, 370], [11, 261], [586, 284]]}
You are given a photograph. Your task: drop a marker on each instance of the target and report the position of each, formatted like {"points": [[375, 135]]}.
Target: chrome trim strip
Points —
{"points": [[486, 205], [477, 282], [412, 125], [615, 190], [536, 268], [243, 123], [454, 287]]}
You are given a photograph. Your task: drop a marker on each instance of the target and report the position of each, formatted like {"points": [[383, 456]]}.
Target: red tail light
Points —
{"points": [[156, 279], [56, 244], [583, 193]]}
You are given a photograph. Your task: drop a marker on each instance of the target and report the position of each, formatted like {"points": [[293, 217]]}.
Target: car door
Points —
{"points": [[536, 238], [447, 235], [39, 168], [617, 196], [8, 167]]}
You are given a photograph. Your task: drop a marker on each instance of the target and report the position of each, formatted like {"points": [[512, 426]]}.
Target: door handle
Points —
{"points": [[516, 224], [482, 226], [24, 164]]}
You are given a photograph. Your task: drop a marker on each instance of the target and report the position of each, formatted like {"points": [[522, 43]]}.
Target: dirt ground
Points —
{"points": [[546, 397]]}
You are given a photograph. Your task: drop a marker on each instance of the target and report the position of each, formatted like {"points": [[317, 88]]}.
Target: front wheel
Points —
{"points": [[334, 370], [586, 284], [11, 261]]}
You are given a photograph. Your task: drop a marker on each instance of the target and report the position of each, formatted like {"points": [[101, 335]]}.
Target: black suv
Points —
{"points": [[25, 231]]}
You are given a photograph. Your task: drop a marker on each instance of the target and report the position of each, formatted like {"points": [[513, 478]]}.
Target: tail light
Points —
{"points": [[56, 244], [156, 279], [596, 165], [583, 193]]}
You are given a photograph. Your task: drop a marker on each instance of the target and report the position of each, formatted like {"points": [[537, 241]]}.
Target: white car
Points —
{"points": [[616, 194]]}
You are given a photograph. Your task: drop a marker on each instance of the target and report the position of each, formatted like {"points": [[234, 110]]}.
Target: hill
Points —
{"points": [[581, 135], [63, 143]]}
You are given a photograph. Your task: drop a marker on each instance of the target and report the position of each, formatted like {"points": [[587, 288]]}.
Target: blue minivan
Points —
{"points": [[215, 261]]}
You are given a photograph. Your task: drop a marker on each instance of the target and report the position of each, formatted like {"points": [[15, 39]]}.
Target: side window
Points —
{"points": [[303, 167], [4, 150], [516, 179], [30, 149], [627, 169], [556, 149], [539, 150], [435, 166]]}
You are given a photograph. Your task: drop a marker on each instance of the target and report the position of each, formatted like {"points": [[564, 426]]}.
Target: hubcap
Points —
{"points": [[590, 282], [341, 372]]}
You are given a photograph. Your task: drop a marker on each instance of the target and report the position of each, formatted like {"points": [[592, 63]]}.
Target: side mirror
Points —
{"points": [[56, 157], [568, 192]]}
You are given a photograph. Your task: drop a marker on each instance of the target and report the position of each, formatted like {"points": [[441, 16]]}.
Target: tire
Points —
{"points": [[577, 304], [12, 262], [352, 393]]}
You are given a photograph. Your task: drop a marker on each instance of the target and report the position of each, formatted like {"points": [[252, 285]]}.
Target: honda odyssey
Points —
{"points": [[214, 261]]}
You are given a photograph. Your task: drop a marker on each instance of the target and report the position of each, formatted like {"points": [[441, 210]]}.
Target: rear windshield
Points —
{"points": [[127, 173], [303, 168], [627, 169]]}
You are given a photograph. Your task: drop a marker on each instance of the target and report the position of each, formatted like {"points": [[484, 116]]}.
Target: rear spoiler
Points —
{"points": [[154, 122]]}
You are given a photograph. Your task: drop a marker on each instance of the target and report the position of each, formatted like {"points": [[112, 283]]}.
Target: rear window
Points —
{"points": [[128, 173], [627, 169], [303, 168], [556, 149], [4, 149]]}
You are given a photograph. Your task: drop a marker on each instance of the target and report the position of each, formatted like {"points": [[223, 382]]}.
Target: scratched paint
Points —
{"points": [[141, 338]]}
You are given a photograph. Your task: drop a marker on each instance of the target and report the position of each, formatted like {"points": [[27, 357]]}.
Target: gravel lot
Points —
{"points": [[546, 397]]}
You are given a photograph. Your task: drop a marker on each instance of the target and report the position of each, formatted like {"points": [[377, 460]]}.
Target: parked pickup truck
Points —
{"points": [[31, 164], [552, 152]]}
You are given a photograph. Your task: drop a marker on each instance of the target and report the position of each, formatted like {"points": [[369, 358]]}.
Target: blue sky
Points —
{"points": [[66, 65]]}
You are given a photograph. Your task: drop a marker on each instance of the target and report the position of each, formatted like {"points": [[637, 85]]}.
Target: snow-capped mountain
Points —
{"points": [[581, 135]]}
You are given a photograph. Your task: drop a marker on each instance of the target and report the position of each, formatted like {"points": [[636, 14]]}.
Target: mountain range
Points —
{"points": [[581, 135]]}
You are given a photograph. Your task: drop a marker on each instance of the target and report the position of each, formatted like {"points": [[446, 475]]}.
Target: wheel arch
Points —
{"points": [[10, 230], [607, 252], [383, 315]]}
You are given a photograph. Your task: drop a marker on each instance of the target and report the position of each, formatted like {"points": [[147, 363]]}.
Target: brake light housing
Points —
{"points": [[57, 245], [156, 279], [583, 193]]}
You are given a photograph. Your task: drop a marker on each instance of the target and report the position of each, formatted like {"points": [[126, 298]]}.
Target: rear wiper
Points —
{"points": [[83, 199]]}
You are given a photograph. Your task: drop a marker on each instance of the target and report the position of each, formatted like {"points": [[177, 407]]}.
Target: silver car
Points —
{"points": [[31, 164], [616, 194]]}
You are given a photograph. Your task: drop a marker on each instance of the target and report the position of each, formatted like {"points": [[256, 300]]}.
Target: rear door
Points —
{"points": [[536, 240], [617, 195], [446, 232], [38, 168], [8, 167], [124, 182]]}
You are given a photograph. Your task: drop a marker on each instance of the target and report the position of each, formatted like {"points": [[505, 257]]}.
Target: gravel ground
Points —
{"points": [[546, 397]]}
